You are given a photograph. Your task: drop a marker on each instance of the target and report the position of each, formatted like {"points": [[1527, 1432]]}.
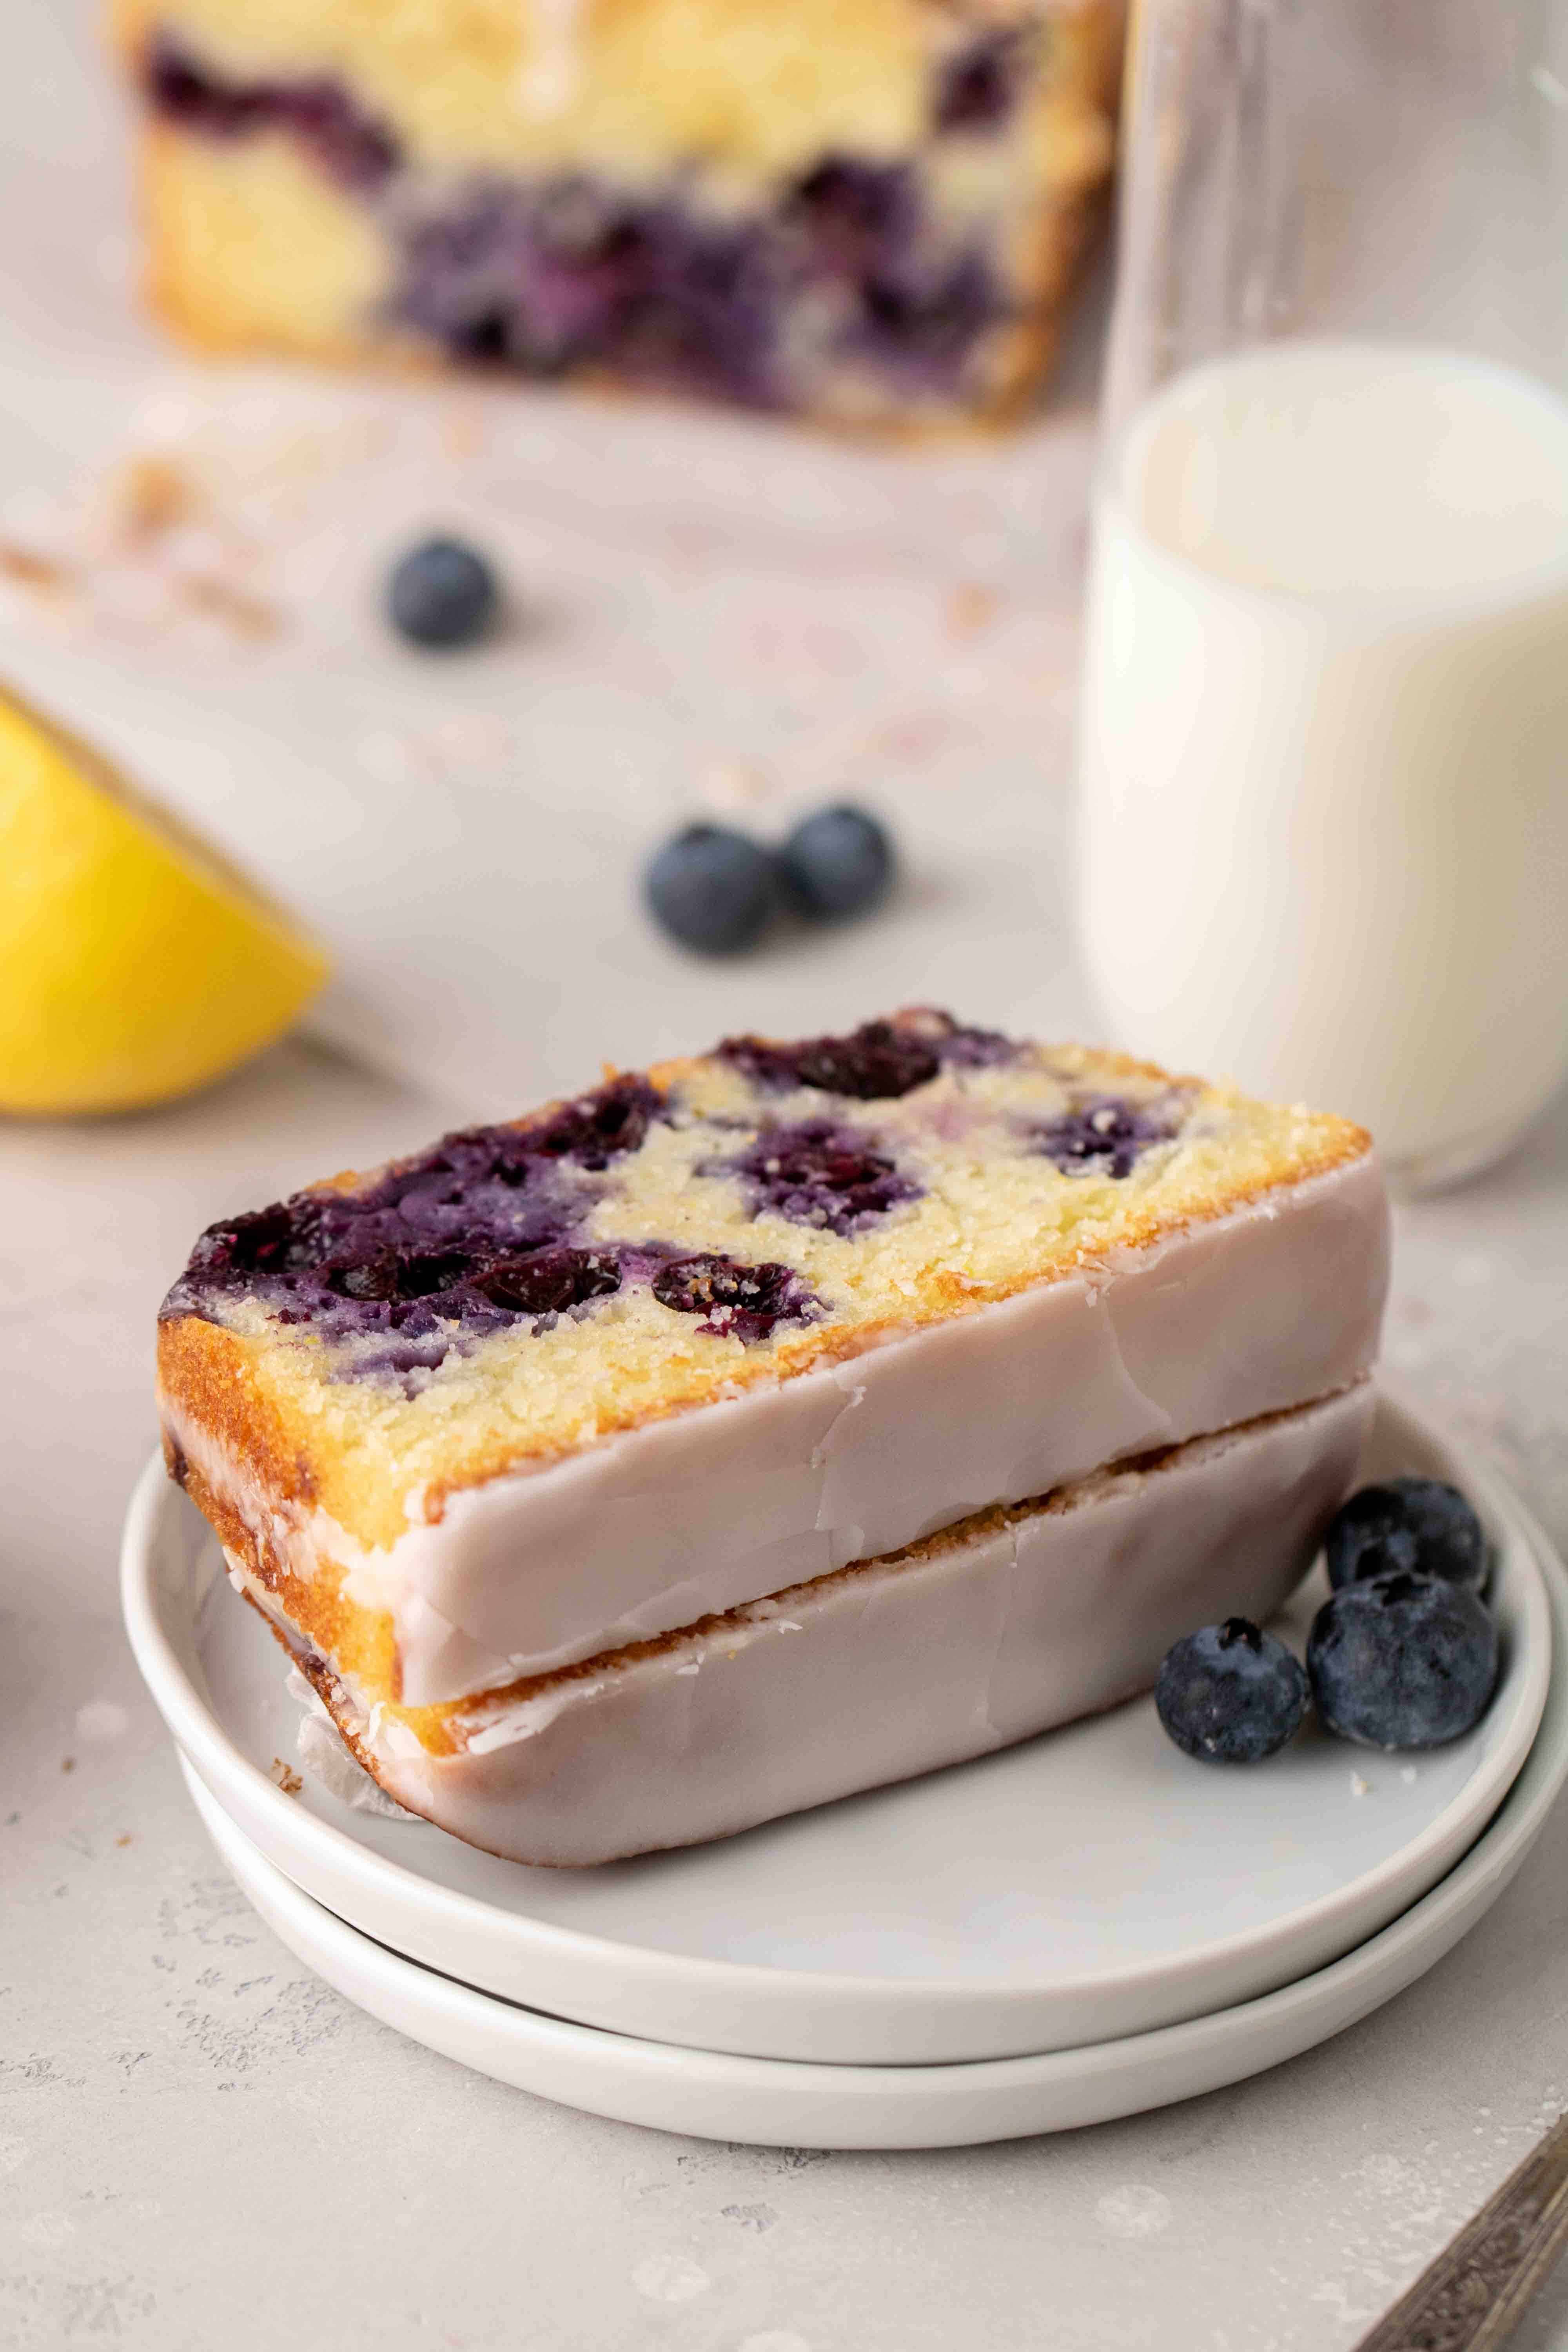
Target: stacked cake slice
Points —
{"points": [[868, 211], [778, 1423]]}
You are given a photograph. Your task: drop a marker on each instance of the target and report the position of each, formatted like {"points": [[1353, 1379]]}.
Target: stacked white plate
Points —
{"points": [[1082, 1928]]}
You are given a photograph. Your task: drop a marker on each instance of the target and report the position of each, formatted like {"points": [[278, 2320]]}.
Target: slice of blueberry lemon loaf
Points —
{"points": [[862, 210], [578, 1458]]}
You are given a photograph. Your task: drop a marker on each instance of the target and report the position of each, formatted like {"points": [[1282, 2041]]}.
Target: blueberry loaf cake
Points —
{"points": [[864, 211], [777, 1423]]}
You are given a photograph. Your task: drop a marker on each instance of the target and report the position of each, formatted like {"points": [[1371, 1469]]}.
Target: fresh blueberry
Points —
{"points": [[711, 888], [1401, 1661], [1413, 1523], [1230, 1693], [442, 594], [838, 863]]}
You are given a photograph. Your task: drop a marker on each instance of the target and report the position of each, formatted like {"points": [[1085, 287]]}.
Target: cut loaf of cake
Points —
{"points": [[861, 210], [472, 1425]]}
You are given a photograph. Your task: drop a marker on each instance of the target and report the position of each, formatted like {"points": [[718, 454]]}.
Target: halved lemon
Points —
{"points": [[135, 964]]}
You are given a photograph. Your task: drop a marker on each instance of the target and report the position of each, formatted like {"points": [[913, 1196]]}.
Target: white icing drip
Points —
{"points": [[553, 73], [329, 1762], [900, 1669]]}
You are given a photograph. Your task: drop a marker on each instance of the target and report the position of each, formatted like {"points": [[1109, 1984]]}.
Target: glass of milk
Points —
{"points": [[1322, 822]]}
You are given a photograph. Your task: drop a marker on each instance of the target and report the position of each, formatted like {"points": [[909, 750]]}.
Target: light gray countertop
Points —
{"points": [[201, 2144]]}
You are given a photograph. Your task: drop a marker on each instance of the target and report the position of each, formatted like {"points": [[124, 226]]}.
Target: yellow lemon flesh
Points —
{"points": [[135, 964]]}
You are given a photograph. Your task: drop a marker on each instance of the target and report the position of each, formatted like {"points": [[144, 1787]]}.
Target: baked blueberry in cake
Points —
{"points": [[912, 1345], [868, 211]]}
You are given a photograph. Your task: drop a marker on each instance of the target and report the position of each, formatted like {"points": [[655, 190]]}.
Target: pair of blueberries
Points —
{"points": [[716, 889], [1404, 1654], [710, 887]]}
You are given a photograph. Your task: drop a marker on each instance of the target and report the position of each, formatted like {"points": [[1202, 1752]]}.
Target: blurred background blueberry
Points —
{"points": [[443, 594], [838, 862], [712, 888]]}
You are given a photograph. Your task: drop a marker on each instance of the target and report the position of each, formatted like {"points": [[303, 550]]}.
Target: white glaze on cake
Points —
{"points": [[896, 1668], [1241, 1315]]}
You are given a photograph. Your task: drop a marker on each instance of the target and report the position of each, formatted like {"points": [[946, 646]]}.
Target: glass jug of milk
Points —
{"points": [[1322, 823]]}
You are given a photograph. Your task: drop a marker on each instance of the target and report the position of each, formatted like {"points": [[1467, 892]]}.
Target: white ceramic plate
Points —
{"points": [[785, 2104], [1091, 1884]]}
